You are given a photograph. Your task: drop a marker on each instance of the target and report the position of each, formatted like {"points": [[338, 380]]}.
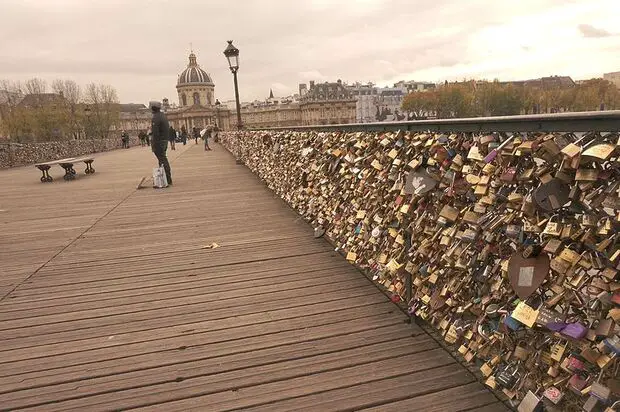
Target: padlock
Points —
{"points": [[508, 377], [575, 330], [553, 371], [574, 363], [554, 395], [557, 351], [521, 352], [600, 391], [553, 227], [577, 382], [530, 403], [513, 231]]}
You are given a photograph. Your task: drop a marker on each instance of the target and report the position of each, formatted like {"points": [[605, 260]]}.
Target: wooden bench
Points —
{"points": [[67, 165]]}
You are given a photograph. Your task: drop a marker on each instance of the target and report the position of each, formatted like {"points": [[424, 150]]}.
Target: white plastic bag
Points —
{"points": [[159, 177]]}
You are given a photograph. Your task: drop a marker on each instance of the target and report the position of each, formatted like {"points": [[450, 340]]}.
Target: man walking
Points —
{"points": [[159, 141], [125, 140], [184, 135], [206, 135], [172, 137]]}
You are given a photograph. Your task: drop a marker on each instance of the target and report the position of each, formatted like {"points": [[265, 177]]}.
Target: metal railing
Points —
{"points": [[602, 121]]}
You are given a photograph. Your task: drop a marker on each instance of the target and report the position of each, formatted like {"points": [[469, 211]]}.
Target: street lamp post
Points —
{"points": [[217, 119], [217, 113], [88, 125], [232, 54]]}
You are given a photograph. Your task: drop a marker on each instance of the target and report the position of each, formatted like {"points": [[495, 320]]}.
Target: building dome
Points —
{"points": [[194, 74]]}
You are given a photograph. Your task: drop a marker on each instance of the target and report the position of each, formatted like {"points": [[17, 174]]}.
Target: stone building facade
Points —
{"points": [[323, 103], [327, 103], [134, 118], [377, 104], [271, 115], [613, 77]]}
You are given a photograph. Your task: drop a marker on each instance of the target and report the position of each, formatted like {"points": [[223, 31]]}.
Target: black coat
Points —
{"points": [[160, 129]]}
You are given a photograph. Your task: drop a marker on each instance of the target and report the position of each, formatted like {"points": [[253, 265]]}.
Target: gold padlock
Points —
{"points": [[552, 246], [553, 227], [570, 255]]}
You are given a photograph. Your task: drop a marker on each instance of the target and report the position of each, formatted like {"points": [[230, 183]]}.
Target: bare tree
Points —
{"points": [[69, 89], [11, 93], [35, 86], [72, 95], [104, 109]]}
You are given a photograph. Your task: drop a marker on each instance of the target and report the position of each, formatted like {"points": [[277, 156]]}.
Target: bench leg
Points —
{"points": [[69, 171], [46, 176], [89, 167]]}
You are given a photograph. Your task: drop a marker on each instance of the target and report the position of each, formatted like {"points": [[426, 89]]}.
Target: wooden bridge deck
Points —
{"points": [[110, 299]]}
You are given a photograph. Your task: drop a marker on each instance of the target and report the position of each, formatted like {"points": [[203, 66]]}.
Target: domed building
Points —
{"points": [[194, 86], [197, 106]]}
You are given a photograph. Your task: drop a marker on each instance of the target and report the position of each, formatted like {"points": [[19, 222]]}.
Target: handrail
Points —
{"points": [[601, 121]]}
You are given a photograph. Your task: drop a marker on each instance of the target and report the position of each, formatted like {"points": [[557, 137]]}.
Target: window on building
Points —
{"points": [[196, 99], [184, 99]]}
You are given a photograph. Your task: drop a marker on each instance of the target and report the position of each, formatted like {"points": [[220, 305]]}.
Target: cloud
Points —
{"points": [[588, 30], [311, 75], [140, 47], [282, 90]]}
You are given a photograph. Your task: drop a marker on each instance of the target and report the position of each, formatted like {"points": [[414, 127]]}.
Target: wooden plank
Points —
{"points": [[152, 310], [157, 386], [162, 328], [240, 340], [162, 294], [369, 394], [239, 392], [258, 270], [216, 310], [108, 296], [261, 350], [179, 336], [493, 407], [459, 398]]}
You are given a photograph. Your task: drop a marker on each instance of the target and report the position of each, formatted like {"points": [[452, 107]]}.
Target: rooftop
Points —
{"points": [[39, 99], [327, 91]]}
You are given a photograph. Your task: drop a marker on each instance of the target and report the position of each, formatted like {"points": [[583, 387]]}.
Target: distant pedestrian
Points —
{"points": [[216, 134], [159, 143], [172, 137], [142, 137], [125, 140], [196, 134], [184, 135], [206, 134]]}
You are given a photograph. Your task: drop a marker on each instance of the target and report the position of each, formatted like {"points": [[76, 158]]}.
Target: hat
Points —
{"points": [[154, 103]]}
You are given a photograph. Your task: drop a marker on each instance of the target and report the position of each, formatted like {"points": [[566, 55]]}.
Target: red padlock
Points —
{"points": [[576, 383], [574, 364], [615, 298]]}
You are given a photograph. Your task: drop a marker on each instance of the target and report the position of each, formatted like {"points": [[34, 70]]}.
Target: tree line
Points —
{"points": [[34, 111], [485, 98]]}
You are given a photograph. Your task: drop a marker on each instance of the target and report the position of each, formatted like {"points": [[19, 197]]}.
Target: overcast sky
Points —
{"points": [[141, 46]]}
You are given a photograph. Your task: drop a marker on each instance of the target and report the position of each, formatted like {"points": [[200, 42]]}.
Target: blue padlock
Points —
{"points": [[512, 323]]}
